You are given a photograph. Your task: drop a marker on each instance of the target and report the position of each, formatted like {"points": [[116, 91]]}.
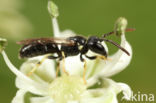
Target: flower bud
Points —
{"points": [[3, 43], [53, 9], [120, 26]]}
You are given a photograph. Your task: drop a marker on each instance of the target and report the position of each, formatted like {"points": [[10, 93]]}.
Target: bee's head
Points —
{"points": [[95, 45]]}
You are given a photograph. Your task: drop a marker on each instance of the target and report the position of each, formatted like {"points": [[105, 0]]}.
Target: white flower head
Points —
{"points": [[71, 88]]}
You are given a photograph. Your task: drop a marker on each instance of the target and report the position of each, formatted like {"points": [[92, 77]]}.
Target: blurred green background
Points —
{"points": [[90, 17]]}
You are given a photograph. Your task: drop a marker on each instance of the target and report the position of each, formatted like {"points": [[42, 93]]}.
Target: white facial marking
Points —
{"points": [[80, 47], [59, 47]]}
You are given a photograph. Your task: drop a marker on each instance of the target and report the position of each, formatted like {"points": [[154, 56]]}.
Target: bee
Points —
{"points": [[71, 46]]}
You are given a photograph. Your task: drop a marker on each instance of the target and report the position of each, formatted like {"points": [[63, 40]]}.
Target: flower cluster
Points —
{"points": [[71, 88]]}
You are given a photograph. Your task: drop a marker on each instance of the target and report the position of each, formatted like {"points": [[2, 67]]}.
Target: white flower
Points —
{"points": [[71, 89]]}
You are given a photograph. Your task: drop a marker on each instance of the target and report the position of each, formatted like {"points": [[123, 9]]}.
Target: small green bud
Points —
{"points": [[120, 26], [53, 9], [3, 43]]}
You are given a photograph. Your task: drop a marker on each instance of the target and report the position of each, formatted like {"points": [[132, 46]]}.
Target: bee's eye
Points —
{"points": [[97, 48]]}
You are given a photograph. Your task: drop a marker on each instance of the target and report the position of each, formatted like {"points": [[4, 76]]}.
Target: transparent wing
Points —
{"points": [[60, 41]]}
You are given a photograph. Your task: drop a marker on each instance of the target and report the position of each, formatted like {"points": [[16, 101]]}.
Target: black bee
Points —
{"points": [[70, 46]]}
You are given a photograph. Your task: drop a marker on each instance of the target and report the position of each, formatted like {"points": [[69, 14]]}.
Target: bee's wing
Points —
{"points": [[60, 41]]}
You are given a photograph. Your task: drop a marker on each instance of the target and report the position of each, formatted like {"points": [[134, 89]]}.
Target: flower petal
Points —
{"points": [[73, 65], [117, 62], [126, 91], [43, 76], [46, 71], [101, 96], [67, 33], [19, 98], [110, 98], [32, 87], [25, 82], [109, 87], [41, 100]]}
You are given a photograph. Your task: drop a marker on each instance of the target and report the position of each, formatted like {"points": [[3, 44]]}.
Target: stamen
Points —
{"points": [[13, 68], [56, 30], [54, 13], [3, 43]]}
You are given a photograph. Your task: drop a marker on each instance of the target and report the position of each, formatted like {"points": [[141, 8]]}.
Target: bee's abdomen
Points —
{"points": [[32, 50]]}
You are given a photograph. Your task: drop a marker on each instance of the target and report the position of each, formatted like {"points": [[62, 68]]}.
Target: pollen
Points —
{"points": [[67, 88]]}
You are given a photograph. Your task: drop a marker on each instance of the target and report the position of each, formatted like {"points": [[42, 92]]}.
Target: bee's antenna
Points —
{"points": [[117, 45], [110, 33]]}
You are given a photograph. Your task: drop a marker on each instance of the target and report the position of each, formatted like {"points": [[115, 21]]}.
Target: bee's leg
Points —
{"points": [[85, 68], [58, 64], [84, 72], [63, 59], [57, 68], [38, 64]]}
